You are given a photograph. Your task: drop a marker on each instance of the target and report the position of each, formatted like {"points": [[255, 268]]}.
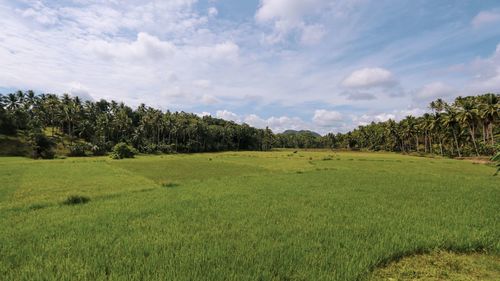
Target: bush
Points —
{"points": [[76, 199], [149, 148], [78, 149], [98, 149], [160, 148], [42, 146], [167, 148], [122, 150]]}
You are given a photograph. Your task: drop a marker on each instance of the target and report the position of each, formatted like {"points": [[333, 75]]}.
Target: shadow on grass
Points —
{"points": [[170, 184], [75, 200]]}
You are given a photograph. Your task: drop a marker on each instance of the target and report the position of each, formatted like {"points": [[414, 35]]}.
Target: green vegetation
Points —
{"points": [[469, 126], [442, 266], [496, 159], [241, 215], [85, 128], [122, 150]]}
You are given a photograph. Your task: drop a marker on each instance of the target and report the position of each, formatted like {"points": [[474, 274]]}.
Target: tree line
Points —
{"points": [[98, 126], [467, 126]]}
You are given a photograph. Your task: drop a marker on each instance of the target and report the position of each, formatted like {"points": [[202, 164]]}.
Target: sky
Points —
{"points": [[322, 65]]}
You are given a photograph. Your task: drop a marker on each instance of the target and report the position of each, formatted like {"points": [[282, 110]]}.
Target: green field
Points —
{"points": [[239, 216]]}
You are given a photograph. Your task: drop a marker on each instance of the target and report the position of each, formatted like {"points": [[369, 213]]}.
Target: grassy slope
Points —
{"points": [[239, 216]]}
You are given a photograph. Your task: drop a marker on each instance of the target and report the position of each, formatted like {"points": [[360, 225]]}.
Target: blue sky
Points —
{"points": [[287, 64]]}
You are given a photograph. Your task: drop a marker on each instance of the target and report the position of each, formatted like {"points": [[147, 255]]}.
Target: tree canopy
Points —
{"points": [[467, 126]]}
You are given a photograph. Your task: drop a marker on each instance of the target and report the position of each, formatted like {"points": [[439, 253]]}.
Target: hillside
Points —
{"points": [[301, 132]]}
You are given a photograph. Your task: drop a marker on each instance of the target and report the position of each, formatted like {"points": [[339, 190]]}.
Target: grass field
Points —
{"points": [[239, 216]]}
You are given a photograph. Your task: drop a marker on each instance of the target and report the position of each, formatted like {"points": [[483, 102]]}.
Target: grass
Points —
{"points": [[240, 215], [441, 265]]}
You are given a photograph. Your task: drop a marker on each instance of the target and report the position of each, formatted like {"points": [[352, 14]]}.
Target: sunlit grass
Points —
{"points": [[239, 216]]}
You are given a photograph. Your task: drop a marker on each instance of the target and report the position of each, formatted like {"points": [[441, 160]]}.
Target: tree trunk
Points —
{"points": [[472, 133], [491, 134], [430, 144], [456, 142], [484, 132], [425, 141]]}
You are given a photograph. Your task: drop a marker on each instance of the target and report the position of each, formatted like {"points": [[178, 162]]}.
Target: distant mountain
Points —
{"points": [[301, 132]]}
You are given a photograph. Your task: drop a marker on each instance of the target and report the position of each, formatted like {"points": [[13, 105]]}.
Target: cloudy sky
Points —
{"points": [[324, 65]]}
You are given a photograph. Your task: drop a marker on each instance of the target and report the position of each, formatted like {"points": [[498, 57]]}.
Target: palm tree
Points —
{"points": [[468, 116], [450, 122], [489, 111]]}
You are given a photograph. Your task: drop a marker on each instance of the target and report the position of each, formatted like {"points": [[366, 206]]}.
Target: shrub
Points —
{"points": [[76, 199], [98, 149], [122, 150], [149, 148], [42, 146], [166, 148], [78, 149]]}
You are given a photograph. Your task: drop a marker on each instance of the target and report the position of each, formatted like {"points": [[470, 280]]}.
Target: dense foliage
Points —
{"points": [[103, 124], [468, 126], [122, 150]]}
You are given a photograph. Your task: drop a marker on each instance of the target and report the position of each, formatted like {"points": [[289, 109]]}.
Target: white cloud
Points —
{"points": [[225, 51], [325, 118], [202, 83], [145, 46], [370, 78], [40, 13], [227, 115], [277, 124], [396, 115], [209, 99], [485, 18], [486, 73], [212, 12], [312, 34], [366, 119], [79, 90], [355, 95], [433, 91], [288, 16], [204, 113]]}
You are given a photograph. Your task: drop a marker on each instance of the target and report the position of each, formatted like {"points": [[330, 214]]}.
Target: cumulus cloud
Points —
{"points": [[288, 16], [277, 124], [79, 90], [325, 118], [203, 114], [227, 115], [433, 91], [396, 115], [370, 78], [145, 46], [486, 18]]}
